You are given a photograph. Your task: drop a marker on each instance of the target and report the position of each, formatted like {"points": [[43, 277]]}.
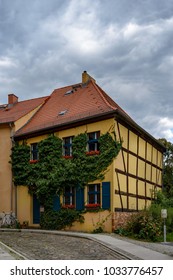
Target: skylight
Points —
{"points": [[61, 113], [69, 92]]}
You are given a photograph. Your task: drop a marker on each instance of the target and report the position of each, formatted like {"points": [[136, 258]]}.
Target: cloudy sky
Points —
{"points": [[126, 45]]}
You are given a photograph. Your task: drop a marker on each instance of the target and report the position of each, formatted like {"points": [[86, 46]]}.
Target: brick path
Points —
{"points": [[38, 246]]}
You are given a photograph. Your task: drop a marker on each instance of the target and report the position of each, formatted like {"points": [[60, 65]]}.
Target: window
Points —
{"points": [[67, 146], [69, 196], [34, 151], [94, 194], [93, 144]]}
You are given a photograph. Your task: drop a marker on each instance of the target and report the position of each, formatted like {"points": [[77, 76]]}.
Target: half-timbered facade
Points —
{"points": [[140, 172]]}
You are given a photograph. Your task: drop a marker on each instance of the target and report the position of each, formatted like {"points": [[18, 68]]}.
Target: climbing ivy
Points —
{"points": [[20, 163], [52, 172]]}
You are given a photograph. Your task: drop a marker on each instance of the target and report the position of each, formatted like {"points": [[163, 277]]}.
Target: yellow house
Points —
{"points": [[130, 181]]}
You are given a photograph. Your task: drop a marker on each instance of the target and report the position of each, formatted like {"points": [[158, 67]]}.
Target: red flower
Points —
{"points": [[68, 206], [92, 153], [92, 205], [33, 161], [67, 157]]}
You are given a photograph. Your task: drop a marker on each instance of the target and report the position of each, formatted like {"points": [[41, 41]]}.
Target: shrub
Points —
{"points": [[142, 225], [57, 220], [169, 220], [155, 212]]}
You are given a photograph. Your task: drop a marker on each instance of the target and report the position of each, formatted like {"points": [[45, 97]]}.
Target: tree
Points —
{"points": [[167, 168], [52, 172]]}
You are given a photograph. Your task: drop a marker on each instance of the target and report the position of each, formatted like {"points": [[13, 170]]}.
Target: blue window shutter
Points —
{"points": [[56, 203], [36, 210], [106, 195], [79, 199]]}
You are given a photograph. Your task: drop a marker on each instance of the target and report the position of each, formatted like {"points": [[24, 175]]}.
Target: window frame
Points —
{"points": [[67, 147], [96, 194], [34, 153], [69, 196], [93, 139]]}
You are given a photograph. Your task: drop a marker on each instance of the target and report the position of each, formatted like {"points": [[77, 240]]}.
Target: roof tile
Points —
{"points": [[19, 109], [83, 102]]}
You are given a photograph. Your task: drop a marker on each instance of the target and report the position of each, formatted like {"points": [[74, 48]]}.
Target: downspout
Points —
{"points": [[11, 125]]}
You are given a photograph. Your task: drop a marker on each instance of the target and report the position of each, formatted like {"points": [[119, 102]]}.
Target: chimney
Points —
{"points": [[12, 99], [86, 78]]}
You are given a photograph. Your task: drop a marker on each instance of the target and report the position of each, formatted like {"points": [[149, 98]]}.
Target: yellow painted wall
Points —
{"points": [[132, 142], [25, 205], [6, 188], [142, 144], [132, 164], [93, 220]]}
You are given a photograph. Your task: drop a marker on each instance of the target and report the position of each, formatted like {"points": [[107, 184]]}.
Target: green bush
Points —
{"points": [[57, 220], [148, 224], [169, 220], [142, 225], [163, 200], [155, 211]]}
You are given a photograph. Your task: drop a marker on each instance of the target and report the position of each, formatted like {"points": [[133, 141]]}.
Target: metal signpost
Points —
{"points": [[164, 216]]}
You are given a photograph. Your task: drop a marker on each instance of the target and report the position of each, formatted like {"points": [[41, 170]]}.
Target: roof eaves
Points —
{"points": [[66, 125], [7, 120]]}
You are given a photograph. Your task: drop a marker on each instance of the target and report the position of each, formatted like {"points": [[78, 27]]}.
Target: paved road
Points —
{"points": [[39, 246]]}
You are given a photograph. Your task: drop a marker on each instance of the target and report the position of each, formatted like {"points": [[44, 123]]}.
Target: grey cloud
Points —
{"points": [[125, 45]]}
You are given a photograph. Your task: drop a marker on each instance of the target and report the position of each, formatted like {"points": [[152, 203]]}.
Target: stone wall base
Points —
{"points": [[119, 219]]}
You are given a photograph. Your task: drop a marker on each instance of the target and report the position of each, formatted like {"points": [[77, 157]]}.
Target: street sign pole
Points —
{"points": [[164, 216]]}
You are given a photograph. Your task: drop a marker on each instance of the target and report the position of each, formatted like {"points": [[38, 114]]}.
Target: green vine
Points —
{"points": [[52, 172], [57, 220], [20, 163]]}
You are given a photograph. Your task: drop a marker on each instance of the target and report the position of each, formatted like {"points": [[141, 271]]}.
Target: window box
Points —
{"points": [[92, 206], [92, 153], [68, 206], [68, 157], [32, 161]]}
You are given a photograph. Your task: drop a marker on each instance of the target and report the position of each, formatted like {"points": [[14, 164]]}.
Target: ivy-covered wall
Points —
{"points": [[49, 175]]}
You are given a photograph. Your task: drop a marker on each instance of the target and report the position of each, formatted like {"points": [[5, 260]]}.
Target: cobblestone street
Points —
{"points": [[38, 246]]}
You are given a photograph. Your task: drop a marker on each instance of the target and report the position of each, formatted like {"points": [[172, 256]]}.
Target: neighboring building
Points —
{"points": [[12, 117], [130, 181]]}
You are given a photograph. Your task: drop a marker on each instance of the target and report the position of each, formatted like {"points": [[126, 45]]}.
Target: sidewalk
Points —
{"points": [[130, 249], [7, 253], [4, 253]]}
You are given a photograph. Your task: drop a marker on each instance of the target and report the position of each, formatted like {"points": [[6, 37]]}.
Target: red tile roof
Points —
{"points": [[14, 112], [70, 104]]}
